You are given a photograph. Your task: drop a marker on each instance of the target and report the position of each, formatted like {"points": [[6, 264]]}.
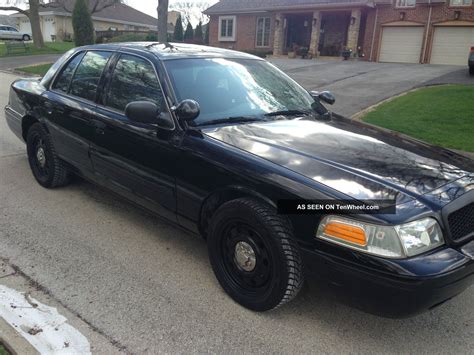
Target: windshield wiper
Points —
{"points": [[237, 119], [288, 113]]}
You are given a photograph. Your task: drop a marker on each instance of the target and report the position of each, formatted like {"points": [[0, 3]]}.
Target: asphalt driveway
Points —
{"points": [[358, 85], [147, 286]]}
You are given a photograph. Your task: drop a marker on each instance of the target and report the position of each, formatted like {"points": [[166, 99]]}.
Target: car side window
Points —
{"points": [[87, 76], [13, 29], [64, 78], [133, 79]]}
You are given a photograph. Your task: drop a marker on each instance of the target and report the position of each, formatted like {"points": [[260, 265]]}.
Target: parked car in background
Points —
{"points": [[471, 61], [11, 33], [215, 140]]}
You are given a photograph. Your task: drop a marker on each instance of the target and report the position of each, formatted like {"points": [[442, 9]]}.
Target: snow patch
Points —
{"points": [[42, 326]]}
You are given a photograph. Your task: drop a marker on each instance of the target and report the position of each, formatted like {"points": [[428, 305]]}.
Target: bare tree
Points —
{"points": [[162, 20], [32, 13]]}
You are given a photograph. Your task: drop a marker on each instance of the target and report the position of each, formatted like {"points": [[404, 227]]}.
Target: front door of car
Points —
{"points": [[135, 159], [70, 105]]}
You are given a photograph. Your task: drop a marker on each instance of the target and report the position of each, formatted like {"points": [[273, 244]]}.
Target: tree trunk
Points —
{"points": [[162, 20], [34, 17]]}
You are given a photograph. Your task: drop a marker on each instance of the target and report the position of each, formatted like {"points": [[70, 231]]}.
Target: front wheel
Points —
{"points": [[253, 255], [26, 38], [45, 164]]}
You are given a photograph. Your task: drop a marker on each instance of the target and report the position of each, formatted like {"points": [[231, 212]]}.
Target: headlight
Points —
{"points": [[400, 241]]}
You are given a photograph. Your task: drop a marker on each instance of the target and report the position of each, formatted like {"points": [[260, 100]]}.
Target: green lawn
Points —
{"points": [[36, 69], [441, 115], [50, 48]]}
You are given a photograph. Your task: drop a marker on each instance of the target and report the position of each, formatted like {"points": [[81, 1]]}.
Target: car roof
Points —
{"points": [[169, 51]]}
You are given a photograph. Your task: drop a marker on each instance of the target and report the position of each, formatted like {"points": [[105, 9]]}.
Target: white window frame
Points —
{"points": [[263, 45], [234, 28], [469, 3], [404, 3]]}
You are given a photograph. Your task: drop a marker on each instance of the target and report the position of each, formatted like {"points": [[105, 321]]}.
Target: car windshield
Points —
{"points": [[229, 89]]}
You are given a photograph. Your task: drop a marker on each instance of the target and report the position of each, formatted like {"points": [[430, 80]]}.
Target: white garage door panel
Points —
{"points": [[451, 45], [401, 44]]}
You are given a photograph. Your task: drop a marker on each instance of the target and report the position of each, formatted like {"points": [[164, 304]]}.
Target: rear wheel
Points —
{"points": [[45, 164], [253, 255]]}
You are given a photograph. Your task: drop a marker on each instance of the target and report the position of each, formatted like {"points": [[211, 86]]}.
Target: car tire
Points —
{"points": [[471, 70], [26, 38], [45, 164], [253, 255]]}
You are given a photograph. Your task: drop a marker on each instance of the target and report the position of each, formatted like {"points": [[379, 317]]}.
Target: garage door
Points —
{"points": [[401, 44], [451, 45]]}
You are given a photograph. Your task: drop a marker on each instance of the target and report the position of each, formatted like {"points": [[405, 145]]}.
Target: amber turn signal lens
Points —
{"points": [[352, 234]]}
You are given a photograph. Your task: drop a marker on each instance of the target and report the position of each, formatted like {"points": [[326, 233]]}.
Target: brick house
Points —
{"points": [[409, 31]]}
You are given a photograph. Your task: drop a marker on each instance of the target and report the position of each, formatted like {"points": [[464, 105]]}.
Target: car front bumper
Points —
{"points": [[394, 288]]}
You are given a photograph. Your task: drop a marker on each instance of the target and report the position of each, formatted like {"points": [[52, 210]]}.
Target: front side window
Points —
{"points": [[64, 78], [88, 74], [461, 2], [229, 88], [13, 29], [227, 26], [134, 79], [263, 32], [406, 3]]}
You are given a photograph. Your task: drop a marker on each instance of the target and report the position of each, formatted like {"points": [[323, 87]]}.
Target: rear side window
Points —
{"points": [[86, 79], [134, 79], [64, 79]]}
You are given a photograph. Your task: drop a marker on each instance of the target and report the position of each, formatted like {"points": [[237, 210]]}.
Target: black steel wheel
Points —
{"points": [[253, 255], [46, 166]]}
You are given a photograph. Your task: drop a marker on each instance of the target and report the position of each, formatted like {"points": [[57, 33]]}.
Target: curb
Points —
{"points": [[13, 341]]}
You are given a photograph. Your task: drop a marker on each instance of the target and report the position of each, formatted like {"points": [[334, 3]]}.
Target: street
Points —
{"points": [[147, 286]]}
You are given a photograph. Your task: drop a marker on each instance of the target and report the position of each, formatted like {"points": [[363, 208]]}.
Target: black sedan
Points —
{"points": [[227, 146]]}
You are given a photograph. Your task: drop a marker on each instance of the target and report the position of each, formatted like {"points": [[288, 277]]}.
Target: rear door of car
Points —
{"points": [[70, 105], [135, 159]]}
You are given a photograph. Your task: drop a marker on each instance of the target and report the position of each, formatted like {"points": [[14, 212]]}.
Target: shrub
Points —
{"points": [[82, 24]]}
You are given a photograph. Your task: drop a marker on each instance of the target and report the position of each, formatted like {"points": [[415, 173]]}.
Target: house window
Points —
{"points": [[461, 2], [406, 3], [227, 25], [263, 31]]}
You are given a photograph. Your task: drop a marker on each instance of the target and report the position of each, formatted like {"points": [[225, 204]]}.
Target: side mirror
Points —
{"points": [[325, 96], [187, 110], [142, 112]]}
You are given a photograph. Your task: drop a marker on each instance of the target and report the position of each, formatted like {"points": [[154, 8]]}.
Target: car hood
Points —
{"points": [[356, 159]]}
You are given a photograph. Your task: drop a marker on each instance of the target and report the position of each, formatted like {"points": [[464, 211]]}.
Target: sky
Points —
{"points": [[148, 6]]}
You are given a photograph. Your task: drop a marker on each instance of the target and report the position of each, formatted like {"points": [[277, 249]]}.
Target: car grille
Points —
{"points": [[461, 222]]}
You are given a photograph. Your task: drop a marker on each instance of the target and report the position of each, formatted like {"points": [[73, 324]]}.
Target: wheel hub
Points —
{"points": [[41, 157], [244, 256]]}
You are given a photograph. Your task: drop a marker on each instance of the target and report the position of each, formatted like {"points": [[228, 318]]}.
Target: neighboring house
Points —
{"points": [[56, 22], [410, 31], [7, 20]]}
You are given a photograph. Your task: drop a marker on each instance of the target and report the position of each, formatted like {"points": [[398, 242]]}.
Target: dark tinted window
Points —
{"points": [[64, 79], [134, 79], [87, 77]]}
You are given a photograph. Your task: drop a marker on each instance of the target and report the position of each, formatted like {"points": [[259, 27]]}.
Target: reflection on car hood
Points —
{"points": [[351, 157]]}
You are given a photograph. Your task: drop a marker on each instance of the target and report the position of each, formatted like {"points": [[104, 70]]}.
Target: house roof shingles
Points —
{"points": [[229, 6], [117, 12]]}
